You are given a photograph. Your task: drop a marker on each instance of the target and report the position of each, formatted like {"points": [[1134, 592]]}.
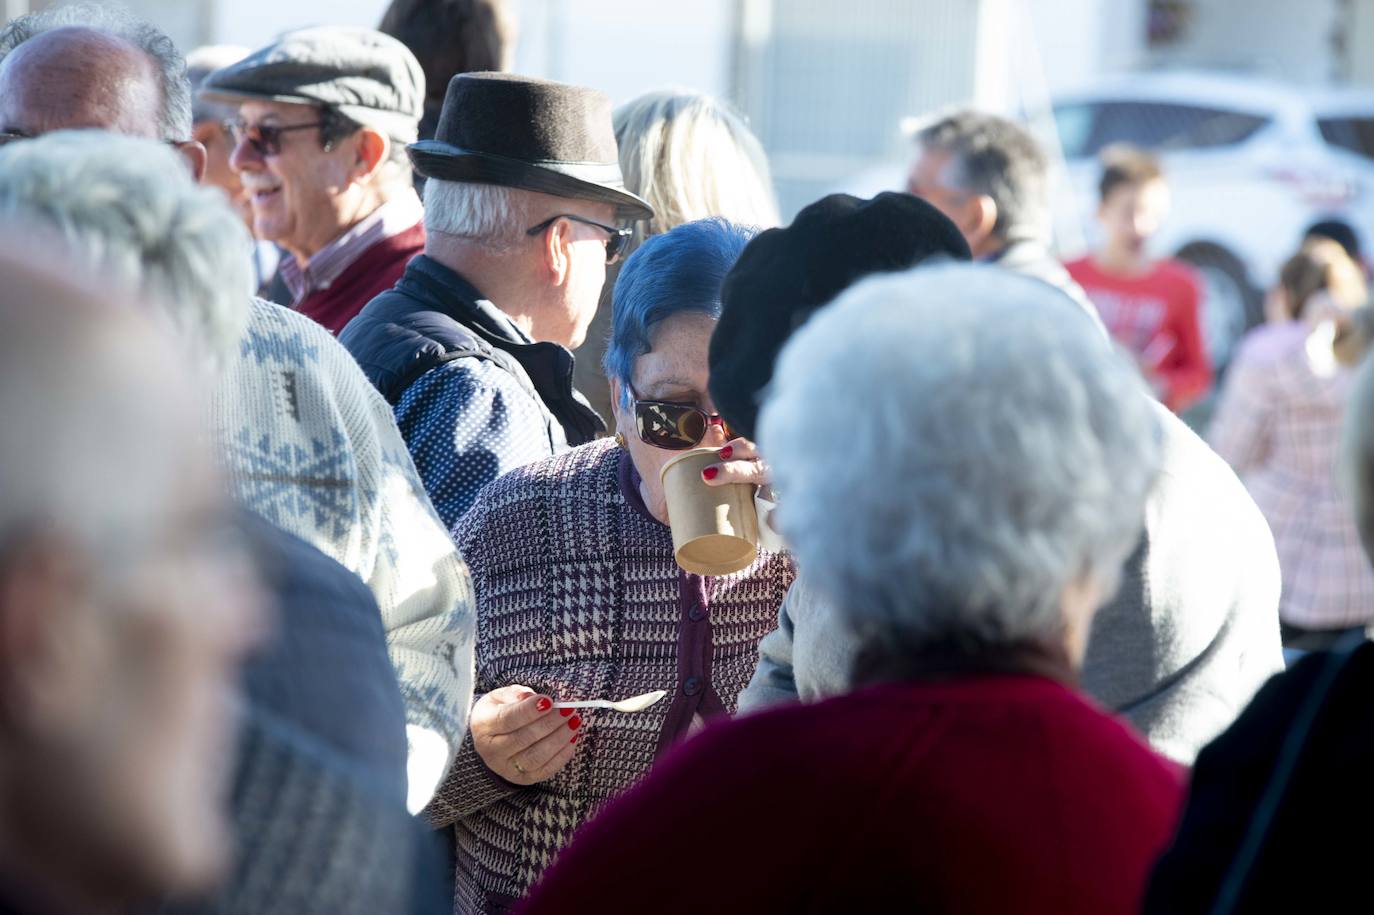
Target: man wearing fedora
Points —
{"points": [[324, 115], [525, 207]]}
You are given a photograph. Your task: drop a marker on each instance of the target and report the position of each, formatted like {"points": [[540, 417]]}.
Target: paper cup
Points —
{"points": [[715, 528]]}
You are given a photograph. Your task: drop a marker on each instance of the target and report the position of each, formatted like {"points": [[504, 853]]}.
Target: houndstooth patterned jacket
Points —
{"points": [[579, 597]]}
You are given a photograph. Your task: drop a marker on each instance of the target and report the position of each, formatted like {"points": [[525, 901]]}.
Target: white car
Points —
{"points": [[1252, 164]]}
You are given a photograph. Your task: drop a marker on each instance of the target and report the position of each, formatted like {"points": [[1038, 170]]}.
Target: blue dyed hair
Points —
{"points": [[679, 271]]}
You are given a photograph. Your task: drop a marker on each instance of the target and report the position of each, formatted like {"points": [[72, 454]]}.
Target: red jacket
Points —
{"points": [[992, 794], [375, 271]]}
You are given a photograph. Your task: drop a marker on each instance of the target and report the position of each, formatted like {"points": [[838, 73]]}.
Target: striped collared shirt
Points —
{"points": [[388, 220]]}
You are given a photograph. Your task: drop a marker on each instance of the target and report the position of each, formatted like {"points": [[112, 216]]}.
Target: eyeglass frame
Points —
{"points": [[710, 419], [619, 235], [264, 147]]}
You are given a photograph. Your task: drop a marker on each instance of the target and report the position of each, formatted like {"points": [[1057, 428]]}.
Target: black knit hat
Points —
{"points": [[533, 134], [784, 275]]}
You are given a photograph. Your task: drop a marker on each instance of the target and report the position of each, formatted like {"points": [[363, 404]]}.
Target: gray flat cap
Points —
{"points": [[369, 77]]}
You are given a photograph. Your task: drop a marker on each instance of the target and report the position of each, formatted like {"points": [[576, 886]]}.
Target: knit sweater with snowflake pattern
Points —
{"points": [[308, 443]]}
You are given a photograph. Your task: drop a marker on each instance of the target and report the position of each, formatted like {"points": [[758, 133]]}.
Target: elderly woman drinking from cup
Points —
{"points": [[964, 463], [580, 598]]}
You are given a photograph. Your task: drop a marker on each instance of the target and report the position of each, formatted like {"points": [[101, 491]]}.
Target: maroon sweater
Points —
{"points": [[988, 794], [375, 271]]}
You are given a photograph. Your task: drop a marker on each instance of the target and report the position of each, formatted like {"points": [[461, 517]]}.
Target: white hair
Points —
{"points": [[131, 210], [487, 214], [174, 122], [955, 446], [691, 156], [993, 156]]}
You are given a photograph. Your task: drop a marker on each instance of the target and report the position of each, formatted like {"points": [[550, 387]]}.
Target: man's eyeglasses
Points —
{"points": [[674, 426], [615, 244], [264, 138]]}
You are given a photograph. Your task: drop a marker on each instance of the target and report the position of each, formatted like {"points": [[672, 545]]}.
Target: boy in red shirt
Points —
{"points": [[1149, 306]]}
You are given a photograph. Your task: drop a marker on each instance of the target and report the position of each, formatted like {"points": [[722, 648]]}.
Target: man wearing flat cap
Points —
{"points": [[324, 115], [525, 207]]}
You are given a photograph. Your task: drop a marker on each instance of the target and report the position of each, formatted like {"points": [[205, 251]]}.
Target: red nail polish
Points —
{"points": [[565, 712], [726, 452], [575, 722], [544, 704], [710, 473], [574, 740]]}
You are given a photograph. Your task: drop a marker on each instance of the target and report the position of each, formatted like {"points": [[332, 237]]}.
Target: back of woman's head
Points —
{"points": [[1321, 265], [955, 447], [679, 271], [691, 157]]}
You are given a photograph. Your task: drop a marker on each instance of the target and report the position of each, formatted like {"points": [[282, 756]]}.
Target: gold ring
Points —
{"points": [[518, 768]]}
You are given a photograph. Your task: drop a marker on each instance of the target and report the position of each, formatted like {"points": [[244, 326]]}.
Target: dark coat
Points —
{"points": [[319, 793], [1315, 852], [316, 837], [433, 316], [326, 670]]}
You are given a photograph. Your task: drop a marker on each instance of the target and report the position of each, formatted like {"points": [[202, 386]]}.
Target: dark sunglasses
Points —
{"points": [[264, 138], [674, 426], [615, 244]]}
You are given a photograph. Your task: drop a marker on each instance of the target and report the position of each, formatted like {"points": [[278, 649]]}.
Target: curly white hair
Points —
{"points": [[956, 447]]}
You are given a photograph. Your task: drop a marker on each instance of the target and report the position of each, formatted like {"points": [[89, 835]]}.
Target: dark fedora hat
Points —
{"points": [[532, 134], [785, 275]]}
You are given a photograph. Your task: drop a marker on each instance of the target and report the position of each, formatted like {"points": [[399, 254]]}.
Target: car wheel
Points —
{"points": [[1230, 305]]}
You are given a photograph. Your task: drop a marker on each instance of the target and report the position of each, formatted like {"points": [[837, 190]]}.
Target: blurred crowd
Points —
{"points": [[332, 582]]}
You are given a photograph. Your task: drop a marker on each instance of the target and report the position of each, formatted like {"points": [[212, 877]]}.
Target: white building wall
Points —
{"points": [[1286, 39], [1359, 55], [254, 23], [628, 49]]}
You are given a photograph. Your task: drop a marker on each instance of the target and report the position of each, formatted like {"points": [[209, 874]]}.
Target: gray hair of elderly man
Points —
{"points": [[487, 214], [957, 447], [490, 215], [130, 210], [175, 121], [994, 156]]}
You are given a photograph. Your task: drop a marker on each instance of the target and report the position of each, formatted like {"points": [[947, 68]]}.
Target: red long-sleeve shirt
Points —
{"points": [[1157, 317]]}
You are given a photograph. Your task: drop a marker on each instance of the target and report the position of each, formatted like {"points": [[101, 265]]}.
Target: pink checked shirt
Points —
{"points": [[1278, 423]]}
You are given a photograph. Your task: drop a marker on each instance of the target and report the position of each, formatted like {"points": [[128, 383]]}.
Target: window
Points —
{"points": [[1086, 128], [1075, 126], [1354, 134]]}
